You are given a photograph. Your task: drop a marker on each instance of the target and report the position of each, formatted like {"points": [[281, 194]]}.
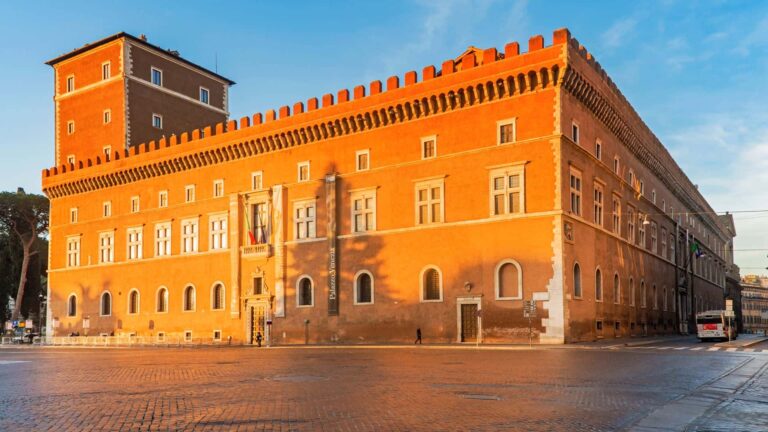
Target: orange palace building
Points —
{"points": [[445, 200]]}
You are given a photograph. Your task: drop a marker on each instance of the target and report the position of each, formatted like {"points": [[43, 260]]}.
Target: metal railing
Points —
{"points": [[135, 341], [263, 249]]}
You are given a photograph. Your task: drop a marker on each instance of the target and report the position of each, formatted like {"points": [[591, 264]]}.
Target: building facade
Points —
{"points": [[444, 201], [755, 303]]}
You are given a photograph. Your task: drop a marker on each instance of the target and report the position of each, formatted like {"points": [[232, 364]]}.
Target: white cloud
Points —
{"points": [[616, 34], [727, 154]]}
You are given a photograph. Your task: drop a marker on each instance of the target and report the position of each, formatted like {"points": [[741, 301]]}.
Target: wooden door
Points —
{"points": [[469, 322]]}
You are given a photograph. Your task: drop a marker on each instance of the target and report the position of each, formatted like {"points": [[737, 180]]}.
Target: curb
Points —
{"points": [[746, 345]]}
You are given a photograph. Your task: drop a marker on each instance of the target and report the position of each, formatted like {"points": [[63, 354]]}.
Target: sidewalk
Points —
{"points": [[631, 341], [743, 341]]}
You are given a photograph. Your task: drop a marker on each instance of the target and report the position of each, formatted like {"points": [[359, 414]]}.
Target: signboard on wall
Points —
{"points": [[330, 205]]}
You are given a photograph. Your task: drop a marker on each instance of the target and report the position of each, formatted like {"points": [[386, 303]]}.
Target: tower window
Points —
{"points": [[157, 77]]}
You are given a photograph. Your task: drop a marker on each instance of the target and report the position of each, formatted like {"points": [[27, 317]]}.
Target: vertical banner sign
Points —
{"points": [[277, 208], [330, 205]]}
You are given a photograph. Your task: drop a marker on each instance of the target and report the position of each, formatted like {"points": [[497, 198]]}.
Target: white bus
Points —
{"points": [[714, 325]]}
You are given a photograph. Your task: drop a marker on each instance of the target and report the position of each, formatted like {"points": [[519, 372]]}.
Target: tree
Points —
{"points": [[25, 217]]}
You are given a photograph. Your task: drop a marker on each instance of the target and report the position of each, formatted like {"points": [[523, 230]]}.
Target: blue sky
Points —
{"points": [[695, 71]]}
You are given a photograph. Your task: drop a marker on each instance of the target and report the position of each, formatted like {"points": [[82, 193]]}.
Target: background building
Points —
{"points": [[443, 201], [755, 303]]}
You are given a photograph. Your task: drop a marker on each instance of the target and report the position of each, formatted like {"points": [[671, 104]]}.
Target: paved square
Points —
{"points": [[356, 389]]}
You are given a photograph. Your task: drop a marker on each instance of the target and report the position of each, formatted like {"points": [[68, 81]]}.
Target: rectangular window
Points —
{"points": [[654, 238], [107, 116], [664, 243], [616, 165], [106, 70], [257, 180], [73, 215], [598, 205], [429, 202], [135, 204], [303, 171], [260, 223], [616, 214], [189, 193], [70, 127], [218, 230], [157, 76], [304, 219], [258, 285], [70, 83], [507, 190], [653, 196], [107, 151], [641, 229], [428, 147], [217, 335], [575, 185], [599, 150], [162, 199], [575, 132], [507, 131], [135, 241], [631, 225], [362, 160], [73, 251], [157, 121], [363, 211], [189, 240], [218, 188], [107, 247], [204, 95], [162, 239], [106, 209], [641, 187]]}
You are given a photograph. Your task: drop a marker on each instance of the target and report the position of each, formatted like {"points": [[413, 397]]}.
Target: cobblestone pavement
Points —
{"points": [[369, 389]]}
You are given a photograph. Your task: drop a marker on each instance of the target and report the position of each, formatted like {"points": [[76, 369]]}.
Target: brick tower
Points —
{"points": [[122, 91]]}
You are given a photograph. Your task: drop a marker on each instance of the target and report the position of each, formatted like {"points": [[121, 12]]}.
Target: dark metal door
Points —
{"points": [[468, 322]]}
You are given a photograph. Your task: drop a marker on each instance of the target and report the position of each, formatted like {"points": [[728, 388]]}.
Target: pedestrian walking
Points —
{"points": [[258, 339], [418, 337]]}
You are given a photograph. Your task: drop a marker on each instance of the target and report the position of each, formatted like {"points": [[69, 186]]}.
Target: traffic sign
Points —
{"points": [[730, 314], [529, 308], [729, 304]]}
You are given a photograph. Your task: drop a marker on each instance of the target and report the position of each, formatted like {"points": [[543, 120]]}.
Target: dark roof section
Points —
{"points": [[108, 39]]}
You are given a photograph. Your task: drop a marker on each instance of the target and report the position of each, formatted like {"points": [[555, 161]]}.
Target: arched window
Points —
{"points": [[616, 289], [363, 288], [162, 299], [106, 304], [643, 294], [305, 294], [189, 298], [598, 285], [655, 298], [664, 301], [577, 280], [431, 285], [631, 292], [72, 305], [508, 280], [217, 296], [133, 302]]}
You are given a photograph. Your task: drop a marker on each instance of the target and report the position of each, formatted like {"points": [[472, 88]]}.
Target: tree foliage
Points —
{"points": [[23, 226]]}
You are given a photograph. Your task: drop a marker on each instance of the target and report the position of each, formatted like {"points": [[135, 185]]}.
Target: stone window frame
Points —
{"points": [[356, 279], [497, 280], [311, 291], [422, 285]]}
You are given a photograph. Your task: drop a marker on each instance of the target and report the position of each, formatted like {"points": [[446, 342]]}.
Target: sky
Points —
{"points": [[695, 71]]}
